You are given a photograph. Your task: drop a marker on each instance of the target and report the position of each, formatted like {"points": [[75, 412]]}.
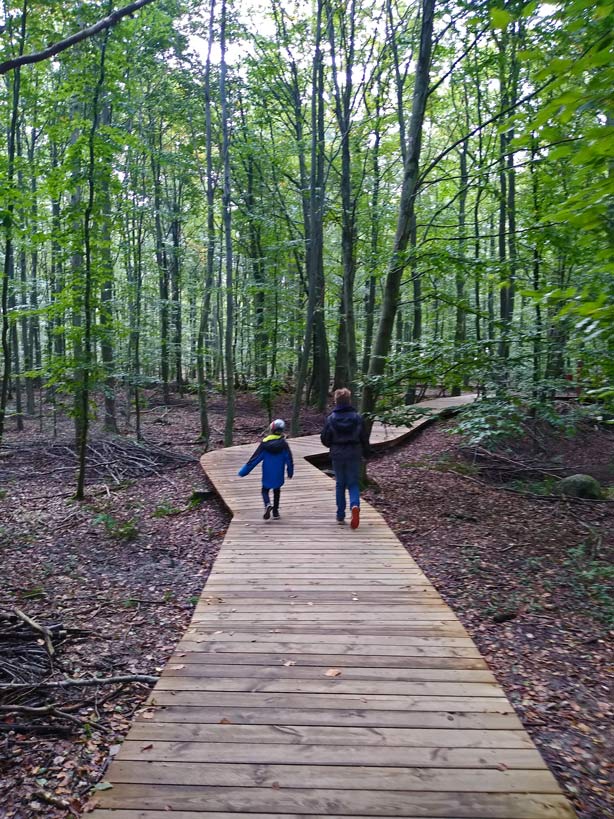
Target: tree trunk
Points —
{"points": [[374, 249], [23, 307], [227, 220], [175, 282], [406, 209], [88, 288], [203, 324], [314, 245], [162, 262], [460, 328], [106, 293], [9, 215], [346, 360]]}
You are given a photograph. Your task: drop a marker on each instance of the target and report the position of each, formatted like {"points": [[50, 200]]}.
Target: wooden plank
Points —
{"points": [[301, 660], [200, 634], [373, 777], [327, 685], [288, 648], [367, 702], [315, 801], [357, 717], [254, 735], [332, 755], [185, 667], [180, 814]]}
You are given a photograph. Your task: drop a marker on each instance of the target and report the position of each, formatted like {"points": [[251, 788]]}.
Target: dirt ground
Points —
{"points": [[115, 578]]}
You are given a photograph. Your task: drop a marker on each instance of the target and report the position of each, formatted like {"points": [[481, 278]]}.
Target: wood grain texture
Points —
{"points": [[323, 676]]}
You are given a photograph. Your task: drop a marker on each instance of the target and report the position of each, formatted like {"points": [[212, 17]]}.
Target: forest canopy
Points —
{"points": [[295, 196]]}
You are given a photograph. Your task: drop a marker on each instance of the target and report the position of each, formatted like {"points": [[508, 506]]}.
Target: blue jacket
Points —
{"points": [[275, 455], [345, 434]]}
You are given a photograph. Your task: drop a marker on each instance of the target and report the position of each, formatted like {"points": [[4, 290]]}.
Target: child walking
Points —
{"points": [[276, 458]]}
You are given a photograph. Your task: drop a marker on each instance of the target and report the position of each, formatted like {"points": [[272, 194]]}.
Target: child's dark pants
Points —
{"points": [[267, 498]]}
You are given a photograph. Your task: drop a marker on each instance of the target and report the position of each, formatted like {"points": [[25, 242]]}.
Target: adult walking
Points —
{"points": [[346, 436]]}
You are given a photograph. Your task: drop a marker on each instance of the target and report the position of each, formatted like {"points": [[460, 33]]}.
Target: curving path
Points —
{"points": [[323, 676]]}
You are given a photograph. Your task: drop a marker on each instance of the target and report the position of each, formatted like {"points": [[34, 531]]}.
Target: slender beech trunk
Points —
{"points": [[17, 384], [537, 332], [314, 247], [460, 327], [406, 208], [106, 292], [89, 274], [476, 206], [23, 307], [162, 262], [9, 215], [374, 249], [227, 220], [205, 310], [508, 76], [56, 283], [416, 282], [321, 358], [346, 360], [175, 282], [34, 322]]}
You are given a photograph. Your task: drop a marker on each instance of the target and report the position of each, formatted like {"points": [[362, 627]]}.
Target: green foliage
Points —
{"points": [[544, 487], [492, 420], [165, 510], [597, 577], [118, 529], [267, 390], [35, 593], [502, 417]]}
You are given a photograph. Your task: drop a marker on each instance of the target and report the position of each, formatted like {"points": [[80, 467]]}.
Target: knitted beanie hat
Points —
{"points": [[277, 425]]}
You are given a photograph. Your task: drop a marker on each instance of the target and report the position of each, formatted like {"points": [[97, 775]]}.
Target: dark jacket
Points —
{"points": [[275, 455], [345, 434]]}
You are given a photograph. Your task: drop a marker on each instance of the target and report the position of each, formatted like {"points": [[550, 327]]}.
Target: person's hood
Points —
{"points": [[344, 418], [274, 444]]}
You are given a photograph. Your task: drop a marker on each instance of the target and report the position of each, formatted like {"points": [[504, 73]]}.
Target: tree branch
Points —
{"points": [[107, 22], [87, 681]]}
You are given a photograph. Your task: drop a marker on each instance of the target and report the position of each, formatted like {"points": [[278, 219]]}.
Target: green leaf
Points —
{"points": [[500, 19]]}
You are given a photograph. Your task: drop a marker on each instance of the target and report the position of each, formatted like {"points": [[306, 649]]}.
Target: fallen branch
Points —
{"points": [[37, 627], [143, 678], [50, 799], [42, 711]]}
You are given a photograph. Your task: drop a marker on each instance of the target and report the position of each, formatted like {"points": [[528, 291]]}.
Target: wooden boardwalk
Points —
{"points": [[323, 676]]}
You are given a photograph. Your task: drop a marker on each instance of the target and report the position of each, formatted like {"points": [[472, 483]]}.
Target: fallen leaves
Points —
{"points": [[333, 672]]}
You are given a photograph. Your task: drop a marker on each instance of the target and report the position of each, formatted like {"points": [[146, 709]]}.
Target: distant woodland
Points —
{"points": [[297, 196]]}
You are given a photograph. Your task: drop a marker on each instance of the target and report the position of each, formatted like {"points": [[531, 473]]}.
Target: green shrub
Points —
{"points": [[118, 529]]}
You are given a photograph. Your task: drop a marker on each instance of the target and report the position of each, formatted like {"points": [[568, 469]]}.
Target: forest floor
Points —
{"points": [[116, 578]]}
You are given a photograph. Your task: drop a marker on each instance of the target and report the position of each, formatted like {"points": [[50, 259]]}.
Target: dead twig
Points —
{"points": [[126, 678], [37, 627], [51, 710]]}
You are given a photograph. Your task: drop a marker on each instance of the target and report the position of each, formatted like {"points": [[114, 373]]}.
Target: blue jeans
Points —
{"points": [[347, 475]]}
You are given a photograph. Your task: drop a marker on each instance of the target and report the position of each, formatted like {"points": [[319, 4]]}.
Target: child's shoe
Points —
{"points": [[275, 514], [355, 517], [267, 512], [341, 521]]}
